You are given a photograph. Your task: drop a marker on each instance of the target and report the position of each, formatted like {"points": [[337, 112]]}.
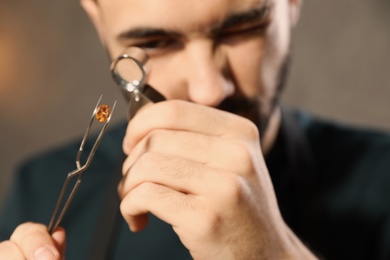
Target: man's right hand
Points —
{"points": [[32, 241]]}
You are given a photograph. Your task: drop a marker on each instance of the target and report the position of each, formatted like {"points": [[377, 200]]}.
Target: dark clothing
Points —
{"points": [[332, 183]]}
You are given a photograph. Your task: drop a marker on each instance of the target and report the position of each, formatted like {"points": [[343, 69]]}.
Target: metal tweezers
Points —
{"points": [[55, 221]]}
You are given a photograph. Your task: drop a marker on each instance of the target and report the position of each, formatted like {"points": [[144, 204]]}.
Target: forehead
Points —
{"points": [[178, 15]]}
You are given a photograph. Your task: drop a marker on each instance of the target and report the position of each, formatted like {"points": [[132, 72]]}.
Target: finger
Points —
{"points": [[172, 207], [186, 116], [185, 177], [34, 241], [174, 172], [217, 153], [9, 250], [59, 237]]}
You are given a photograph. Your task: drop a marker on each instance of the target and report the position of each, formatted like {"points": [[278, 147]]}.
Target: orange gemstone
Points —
{"points": [[103, 113]]}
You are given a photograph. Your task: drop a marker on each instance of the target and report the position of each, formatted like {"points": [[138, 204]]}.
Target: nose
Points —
{"points": [[206, 73]]}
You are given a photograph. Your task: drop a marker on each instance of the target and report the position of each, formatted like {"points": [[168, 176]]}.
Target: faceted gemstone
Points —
{"points": [[103, 113]]}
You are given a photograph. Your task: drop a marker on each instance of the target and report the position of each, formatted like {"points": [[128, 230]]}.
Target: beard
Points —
{"points": [[256, 110]]}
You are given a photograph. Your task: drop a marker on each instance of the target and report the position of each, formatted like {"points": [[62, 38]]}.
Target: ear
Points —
{"points": [[92, 9], [295, 9]]}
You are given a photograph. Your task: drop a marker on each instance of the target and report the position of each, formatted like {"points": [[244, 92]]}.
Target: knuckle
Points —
{"points": [[250, 129], [151, 139], [244, 156], [209, 225], [173, 110], [144, 190], [125, 144], [9, 250], [143, 195], [126, 167], [131, 201], [233, 190], [26, 229], [213, 222]]}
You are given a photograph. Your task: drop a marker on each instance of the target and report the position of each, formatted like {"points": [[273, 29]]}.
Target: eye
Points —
{"points": [[244, 30], [154, 46]]}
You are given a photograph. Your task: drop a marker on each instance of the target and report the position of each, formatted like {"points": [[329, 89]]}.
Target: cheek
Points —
{"points": [[276, 49], [246, 61]]}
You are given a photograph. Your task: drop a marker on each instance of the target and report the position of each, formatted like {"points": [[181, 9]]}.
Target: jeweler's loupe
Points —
{"points": [[128, 72]]}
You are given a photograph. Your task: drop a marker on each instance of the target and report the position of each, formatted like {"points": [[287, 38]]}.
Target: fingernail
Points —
{"points": [[44, 253]]}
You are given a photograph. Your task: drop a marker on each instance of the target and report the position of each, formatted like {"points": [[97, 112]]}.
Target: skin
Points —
{"points": [[32, 241], [195, 166]]}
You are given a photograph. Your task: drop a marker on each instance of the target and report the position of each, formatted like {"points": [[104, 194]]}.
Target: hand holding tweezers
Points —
{"points": [[78, 172]]}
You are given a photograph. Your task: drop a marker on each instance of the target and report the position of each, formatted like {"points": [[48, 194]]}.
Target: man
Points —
{"points": [[201, 163]]}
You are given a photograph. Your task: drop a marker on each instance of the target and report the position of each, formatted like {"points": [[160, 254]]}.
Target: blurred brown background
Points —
{"points": [[52, 71]]}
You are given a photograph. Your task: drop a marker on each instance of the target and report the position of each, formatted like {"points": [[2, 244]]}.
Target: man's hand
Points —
{"points": [[202, 171], [32, 241]]}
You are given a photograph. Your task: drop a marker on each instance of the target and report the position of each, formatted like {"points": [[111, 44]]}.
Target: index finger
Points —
{"points": [[186, 116]]}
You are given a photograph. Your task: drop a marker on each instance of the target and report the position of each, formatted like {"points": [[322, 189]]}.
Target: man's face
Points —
{"points": [[221, 53]]}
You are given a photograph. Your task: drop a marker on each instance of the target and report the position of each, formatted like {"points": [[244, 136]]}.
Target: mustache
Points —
{"points": [[250, 108], [240, 105]]}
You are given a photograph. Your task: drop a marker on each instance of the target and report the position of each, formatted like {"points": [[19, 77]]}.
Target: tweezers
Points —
{"points": [[78, 172]]}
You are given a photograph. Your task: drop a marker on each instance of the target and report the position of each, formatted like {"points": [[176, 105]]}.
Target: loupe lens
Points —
{"points": [[127, 69]]}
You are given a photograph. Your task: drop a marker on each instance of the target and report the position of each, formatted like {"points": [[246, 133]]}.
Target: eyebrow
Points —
{"points": [[145, 32], [258, 13], [255, 14]]}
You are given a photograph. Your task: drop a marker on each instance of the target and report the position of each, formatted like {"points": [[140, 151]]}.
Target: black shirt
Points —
{"points": [[332, 183]]}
